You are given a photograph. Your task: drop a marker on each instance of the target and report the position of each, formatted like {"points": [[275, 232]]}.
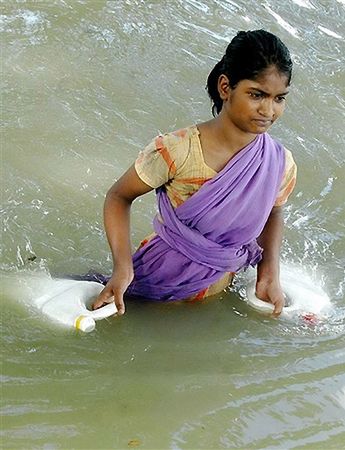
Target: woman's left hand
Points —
{"points": [[271, 291]]}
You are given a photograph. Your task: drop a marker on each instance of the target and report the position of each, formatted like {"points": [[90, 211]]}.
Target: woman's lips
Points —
{"points": [[263, 122]]}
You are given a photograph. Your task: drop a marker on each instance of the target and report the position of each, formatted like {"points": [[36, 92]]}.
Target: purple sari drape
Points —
{"points": [[215, 230]]}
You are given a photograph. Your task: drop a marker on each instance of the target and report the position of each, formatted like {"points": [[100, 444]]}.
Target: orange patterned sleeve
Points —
{"points": [[158, 162], [289, 179]]}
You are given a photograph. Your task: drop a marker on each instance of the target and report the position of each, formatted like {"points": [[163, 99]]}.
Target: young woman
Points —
{"points": [[220, 188]]}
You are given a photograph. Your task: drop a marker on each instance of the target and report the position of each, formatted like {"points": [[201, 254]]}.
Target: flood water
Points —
{"points": [[86, 84]]}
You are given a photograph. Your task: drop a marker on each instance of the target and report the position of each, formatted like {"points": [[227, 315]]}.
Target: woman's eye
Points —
{"points": [[280, 99], [255, 95]]}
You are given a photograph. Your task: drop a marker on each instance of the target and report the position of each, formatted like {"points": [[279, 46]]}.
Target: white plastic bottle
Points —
{"points": [[67, 302], [303, 297]]}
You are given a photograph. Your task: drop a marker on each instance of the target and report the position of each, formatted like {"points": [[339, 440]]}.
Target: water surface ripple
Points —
{"points": [[86, 84]]}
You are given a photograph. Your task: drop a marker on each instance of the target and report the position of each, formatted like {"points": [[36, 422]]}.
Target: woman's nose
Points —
{"points": [[266, 108]]}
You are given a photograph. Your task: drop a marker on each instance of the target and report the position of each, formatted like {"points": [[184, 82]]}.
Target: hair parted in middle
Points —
{"points": [[247, 56]]}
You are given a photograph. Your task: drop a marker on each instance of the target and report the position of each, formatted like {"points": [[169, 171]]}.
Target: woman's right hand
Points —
{"points": [[116, 287], [117, 207]]}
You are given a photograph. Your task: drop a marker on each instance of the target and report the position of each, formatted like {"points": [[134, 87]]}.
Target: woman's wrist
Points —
{"points": [[123, 270], [268, 271]]}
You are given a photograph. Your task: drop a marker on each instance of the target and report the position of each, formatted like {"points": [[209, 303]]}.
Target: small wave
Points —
{"points": [[330, 32], [304, 4], [31, 24], [283, 23]]}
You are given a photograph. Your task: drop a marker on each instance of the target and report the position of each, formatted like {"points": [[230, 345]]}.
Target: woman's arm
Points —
{"points": [[268, 285], [117, 207]]}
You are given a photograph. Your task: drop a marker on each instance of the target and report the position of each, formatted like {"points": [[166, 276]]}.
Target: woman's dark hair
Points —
{"points": [[246, 57]]}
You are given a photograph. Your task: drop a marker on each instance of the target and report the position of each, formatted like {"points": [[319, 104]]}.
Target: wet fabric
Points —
{"points": [[215, 230]]}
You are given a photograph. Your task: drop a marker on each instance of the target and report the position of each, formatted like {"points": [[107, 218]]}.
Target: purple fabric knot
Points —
{"points": [[198, 248]]}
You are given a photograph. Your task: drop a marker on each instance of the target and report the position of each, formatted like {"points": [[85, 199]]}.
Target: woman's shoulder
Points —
{"points": [[289, 179], [177, 139], [289, 160], [164, 156], [176, 144]]}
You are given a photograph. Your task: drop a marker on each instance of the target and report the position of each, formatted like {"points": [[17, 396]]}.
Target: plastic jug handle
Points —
{"points": [[103, 312]]}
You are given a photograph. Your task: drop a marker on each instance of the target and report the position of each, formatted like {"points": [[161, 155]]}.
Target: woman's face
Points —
{"points": [[254, 105]]}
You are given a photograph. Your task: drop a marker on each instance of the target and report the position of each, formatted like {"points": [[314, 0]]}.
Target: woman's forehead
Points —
{"points": [[270, 80], [272, 75]]}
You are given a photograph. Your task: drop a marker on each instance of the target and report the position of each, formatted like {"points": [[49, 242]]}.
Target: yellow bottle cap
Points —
{"points": [[85, 323]]}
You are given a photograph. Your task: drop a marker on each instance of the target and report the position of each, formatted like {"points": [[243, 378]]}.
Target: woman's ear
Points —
{"points": [[223, 87]]}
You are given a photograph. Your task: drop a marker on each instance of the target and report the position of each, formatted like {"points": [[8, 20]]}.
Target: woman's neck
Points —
{"points": [[219, 144], [224, 137]]}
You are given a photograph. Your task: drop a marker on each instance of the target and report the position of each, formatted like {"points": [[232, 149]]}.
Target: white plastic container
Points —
{"points": [[303, 297], [67, 302]]}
